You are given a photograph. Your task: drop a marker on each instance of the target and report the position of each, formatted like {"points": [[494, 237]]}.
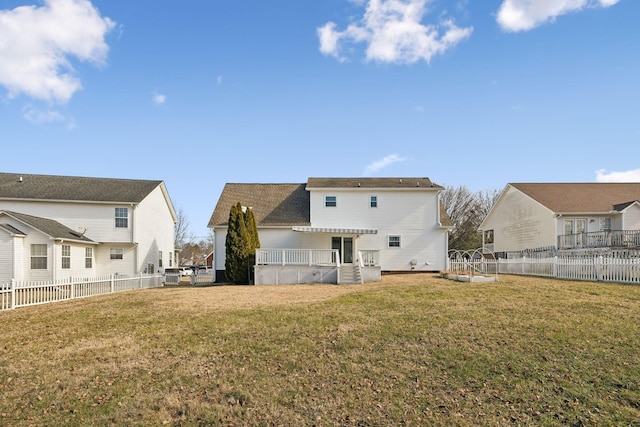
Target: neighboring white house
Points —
{"points": [[55, 227], [563, 216], [322, 230]]}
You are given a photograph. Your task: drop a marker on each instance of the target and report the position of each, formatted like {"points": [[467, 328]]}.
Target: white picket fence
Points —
{"points": [[201, 278], [596, 268], [26, 293]]}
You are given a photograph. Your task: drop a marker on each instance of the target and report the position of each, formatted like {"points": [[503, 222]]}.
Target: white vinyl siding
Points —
{"points": [[412, 214], [519, 223], [6, 257], [156, 235]]}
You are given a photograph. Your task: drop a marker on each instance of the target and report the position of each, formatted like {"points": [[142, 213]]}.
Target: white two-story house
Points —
{"points": [[563, 216], [56, 227], [338, 230]]}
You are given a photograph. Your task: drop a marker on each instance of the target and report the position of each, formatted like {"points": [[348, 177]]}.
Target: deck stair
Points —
{"points": [[349, 274]]}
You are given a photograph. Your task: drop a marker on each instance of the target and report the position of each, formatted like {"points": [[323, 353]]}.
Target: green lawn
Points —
{"points": [[410, 350]]}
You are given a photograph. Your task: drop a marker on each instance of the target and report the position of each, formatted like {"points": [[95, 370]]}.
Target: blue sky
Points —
{"points": [[199, 93]]}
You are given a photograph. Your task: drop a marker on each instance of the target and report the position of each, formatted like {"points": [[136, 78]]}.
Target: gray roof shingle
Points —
{"points": [[582, 197], [48, 226], [272, 204], [371, 183], [14, 186]]}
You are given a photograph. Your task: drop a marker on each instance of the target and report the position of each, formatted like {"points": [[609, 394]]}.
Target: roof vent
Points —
{"points": [[418, 184], [400, 180], [20, 179]]}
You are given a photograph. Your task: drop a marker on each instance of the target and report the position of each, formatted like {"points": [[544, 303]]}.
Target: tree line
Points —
{"points": [[467, 210]]}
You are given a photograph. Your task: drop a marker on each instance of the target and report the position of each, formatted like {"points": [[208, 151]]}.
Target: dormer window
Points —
{"points": [[330, 201]]}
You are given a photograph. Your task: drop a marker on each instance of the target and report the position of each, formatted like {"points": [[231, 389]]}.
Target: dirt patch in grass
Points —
{"points": [[242, 297]]}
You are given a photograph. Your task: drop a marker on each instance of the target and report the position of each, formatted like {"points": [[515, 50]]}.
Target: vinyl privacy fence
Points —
{"points": [[25, 293], [594, 268]]}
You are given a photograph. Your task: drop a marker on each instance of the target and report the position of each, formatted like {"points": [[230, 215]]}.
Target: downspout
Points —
{"points": [[54, 270], [133, 240]]}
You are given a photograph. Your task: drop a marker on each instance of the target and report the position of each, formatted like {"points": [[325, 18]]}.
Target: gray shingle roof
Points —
{"points": [[581, 197], [70, 188], [49, 227], [12, 230], [272, 204], [371, 183]]}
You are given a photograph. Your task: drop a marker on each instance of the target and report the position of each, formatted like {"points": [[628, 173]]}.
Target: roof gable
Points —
{"points": [[70, 188], [581, 197], [272, 204]]}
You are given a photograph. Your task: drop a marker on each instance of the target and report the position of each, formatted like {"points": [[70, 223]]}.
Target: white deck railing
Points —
{"points": [[297, 257], [20, 293], [369, 257]]}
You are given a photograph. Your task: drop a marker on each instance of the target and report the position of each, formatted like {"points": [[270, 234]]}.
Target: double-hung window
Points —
{"points": [[116, 253], [393, 241], [330, 201], [373, 201], [38, 256], [88, 257], [122, 217], [66, 256]]}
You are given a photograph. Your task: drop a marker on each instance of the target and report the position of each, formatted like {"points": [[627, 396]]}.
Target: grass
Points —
{"points": [[410, 350]]}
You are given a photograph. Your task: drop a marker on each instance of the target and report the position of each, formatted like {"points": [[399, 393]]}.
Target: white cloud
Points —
{"points": [[158, 98], [42, 117], [625, 176], [380, 164], [394, 33], [523, 15], [37, 43]]}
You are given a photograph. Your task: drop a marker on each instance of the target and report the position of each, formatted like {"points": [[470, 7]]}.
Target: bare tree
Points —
{"points": [[181, 228], [467, 210]]}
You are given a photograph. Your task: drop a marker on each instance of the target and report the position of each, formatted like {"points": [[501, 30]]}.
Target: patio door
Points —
{"points": [[576, 228], [345, 247]]}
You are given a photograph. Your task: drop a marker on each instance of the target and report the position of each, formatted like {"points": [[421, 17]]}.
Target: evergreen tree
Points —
{"points": [[253, 241], [252, 229], [236, 243]]}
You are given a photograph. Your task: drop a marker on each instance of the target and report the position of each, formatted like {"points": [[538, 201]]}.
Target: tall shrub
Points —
{"points": [[252, 229], [237, 241], [253, 241]]}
